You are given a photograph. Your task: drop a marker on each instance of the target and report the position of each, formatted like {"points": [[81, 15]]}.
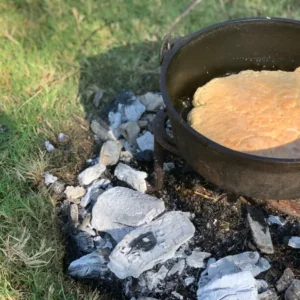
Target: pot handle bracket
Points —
{"points": [[168, 42]]}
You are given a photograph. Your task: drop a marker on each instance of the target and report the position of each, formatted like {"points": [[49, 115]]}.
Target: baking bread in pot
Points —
{"points": [[252, 112]]}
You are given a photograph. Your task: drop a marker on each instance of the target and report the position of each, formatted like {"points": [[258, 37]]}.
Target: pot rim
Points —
{"points": [[170, 108]]}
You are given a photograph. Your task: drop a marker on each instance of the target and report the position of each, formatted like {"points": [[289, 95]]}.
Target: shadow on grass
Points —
{"points": [[134, 67]]}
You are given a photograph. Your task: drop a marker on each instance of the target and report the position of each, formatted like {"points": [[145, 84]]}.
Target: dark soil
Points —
{"points": [[221, 226]]}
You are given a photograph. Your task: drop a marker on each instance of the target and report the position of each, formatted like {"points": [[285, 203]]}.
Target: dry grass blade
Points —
{"points": [[33, 167], [16, 251]]}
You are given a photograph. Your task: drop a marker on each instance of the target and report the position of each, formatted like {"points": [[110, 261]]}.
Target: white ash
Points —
{"points": [[150, 244], [146, 141], [96, 188], [153, 279], [126, 156], [119, 210], [260, 230], [49, 147], [239, 286], [294, 242], [136, 179], [130, 131], [49, 178], [90, 174], [110, 153], [196, 259], [89, 231], [189, 280], [152, 101], [177, 268], [93, 265], [103, 242], [275, 220], [74, 192]]}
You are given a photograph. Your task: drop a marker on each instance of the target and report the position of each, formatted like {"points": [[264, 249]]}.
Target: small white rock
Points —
{"points": [[49, 146], [61, 137], [134, 178], [152, 101], [126, 156], [110, 153], [74, 192], [49, 179], [90, 174], [150, 244], [196, 259], [294, 242], [275, 220], [146, 141], [97, 98], [153, 279]]}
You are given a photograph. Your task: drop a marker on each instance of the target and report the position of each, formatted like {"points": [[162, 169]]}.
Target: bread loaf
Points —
{"points": [[251, 112]]}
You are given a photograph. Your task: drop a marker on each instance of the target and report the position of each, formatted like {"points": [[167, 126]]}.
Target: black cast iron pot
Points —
{"points": [[230, 47]]}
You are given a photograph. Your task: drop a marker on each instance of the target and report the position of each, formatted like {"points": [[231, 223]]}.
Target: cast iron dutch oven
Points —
{"points": [[225, 48]]}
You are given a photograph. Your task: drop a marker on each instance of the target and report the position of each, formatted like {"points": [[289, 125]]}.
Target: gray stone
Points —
{"points": [[294, 242], [57, 187], [86, 221], [119, 210], [90, 174], [93, 265], [151, 244], [146, 141], [260, 230], [110, 153], [49, 179], [134, 178], [130, 131], [261, 285], [73, 214], [268, 295], [293, 292], [97, 98], [152, 101], [49, 147], [102, 243], [143, 124], [94, 191], [126, 156], [285, 280], [84, 242], [89, 231], [102, 130], [74, 192], [196, 259]]}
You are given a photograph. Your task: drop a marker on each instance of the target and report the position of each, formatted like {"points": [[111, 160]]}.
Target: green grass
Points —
{"points": [[53, 54]]}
